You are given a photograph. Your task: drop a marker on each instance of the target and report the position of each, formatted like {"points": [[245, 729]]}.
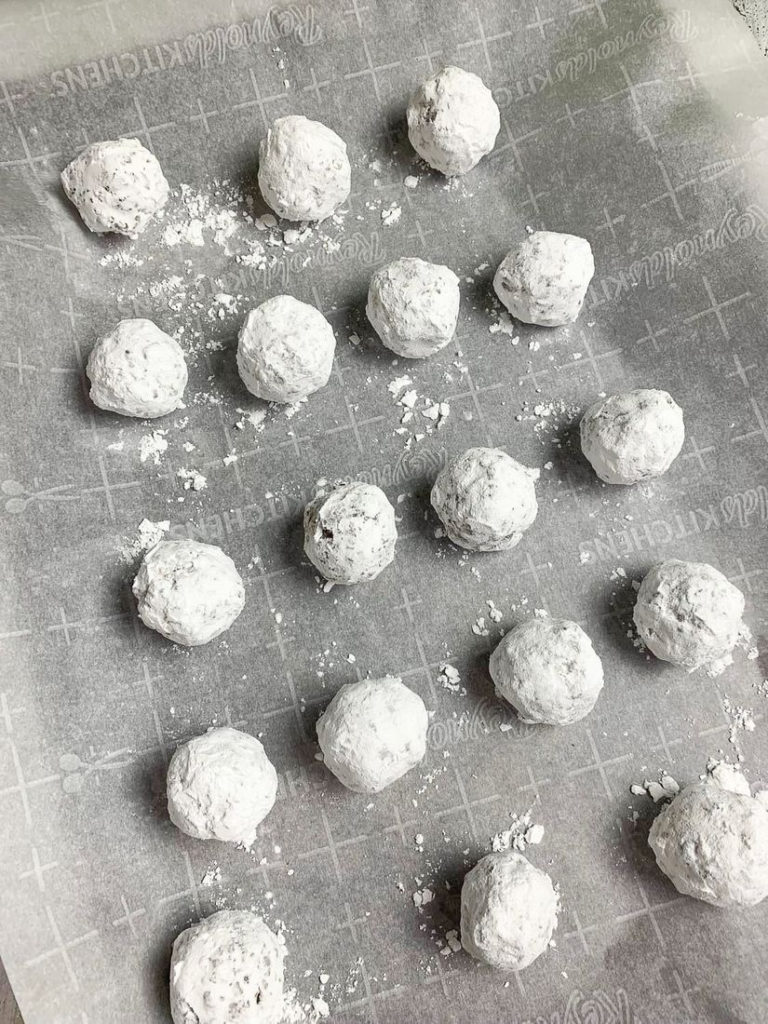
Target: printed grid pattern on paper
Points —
{"points": [[618, 123]]}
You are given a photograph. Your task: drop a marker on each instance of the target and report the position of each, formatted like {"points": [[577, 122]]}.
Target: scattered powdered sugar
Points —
{"points": [[193, 480], [148, 535], [199, 216], [254, 417], [494, 614], [409, 400], [520, 834], [666, 788], [422, 896], [152, 446], [727, 776], [212, 874], [505, 326], [215, 221], [450, 679], [391, 215], [121, 258], [452, 943], [741, 718], [396, 386], [321, 1008], [438, 412]]}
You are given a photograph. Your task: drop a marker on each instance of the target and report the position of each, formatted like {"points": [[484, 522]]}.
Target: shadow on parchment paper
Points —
{"points": [[614, 604], [352, 298], [479, 293], [222, 365], [158, 972], [150, 788], [312, 713], [447, 903], [289, 532], [395, 146], [478, 677], [488, 711], [761, 642], [569, 462], [247, 177]]}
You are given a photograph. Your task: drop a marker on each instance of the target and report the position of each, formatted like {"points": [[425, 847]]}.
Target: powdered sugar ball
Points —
{"points": [[689, 613], [350, 534], [713, 845], [413, 306], [116, 186], [372, 733], [221, 785], [304, 171], [188, 591], [632, 436], [548, 671], [228, 969], [508, 911], [453, 121], [485, 499], [285, 350], [137, 370], [544, 279]]}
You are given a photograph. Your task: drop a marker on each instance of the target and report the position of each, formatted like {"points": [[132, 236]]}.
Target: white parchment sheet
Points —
{"points": [[639, 124]]}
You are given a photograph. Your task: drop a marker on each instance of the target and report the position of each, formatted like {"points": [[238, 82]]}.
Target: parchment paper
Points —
{"points": [[637, 124]]}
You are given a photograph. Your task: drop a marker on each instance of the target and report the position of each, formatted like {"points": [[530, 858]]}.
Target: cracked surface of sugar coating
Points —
{"points": [[372, 733], [188, 591], [413, 306], [116, 186], [509, 911], [137, 370], [688, 613], [350, 533], [285, 350], [544, 279], [221, 785], [227, 969], [304, 171], [632, 436], [712, 844], [485, 499], [453, 121], [548, 671]]}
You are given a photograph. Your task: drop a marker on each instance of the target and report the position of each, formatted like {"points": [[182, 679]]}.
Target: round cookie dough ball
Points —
{"points": [[453, 121], [548, 671], [285, 350], [508, 911], [545, 278], [413, 306], [713, 844], [137, 370], [485, 499], [632, 436], [688, 613], [304, 171], [221, 785], [372, 733], [228, 969], [188, 591], [350, 534], [116, 186]]}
